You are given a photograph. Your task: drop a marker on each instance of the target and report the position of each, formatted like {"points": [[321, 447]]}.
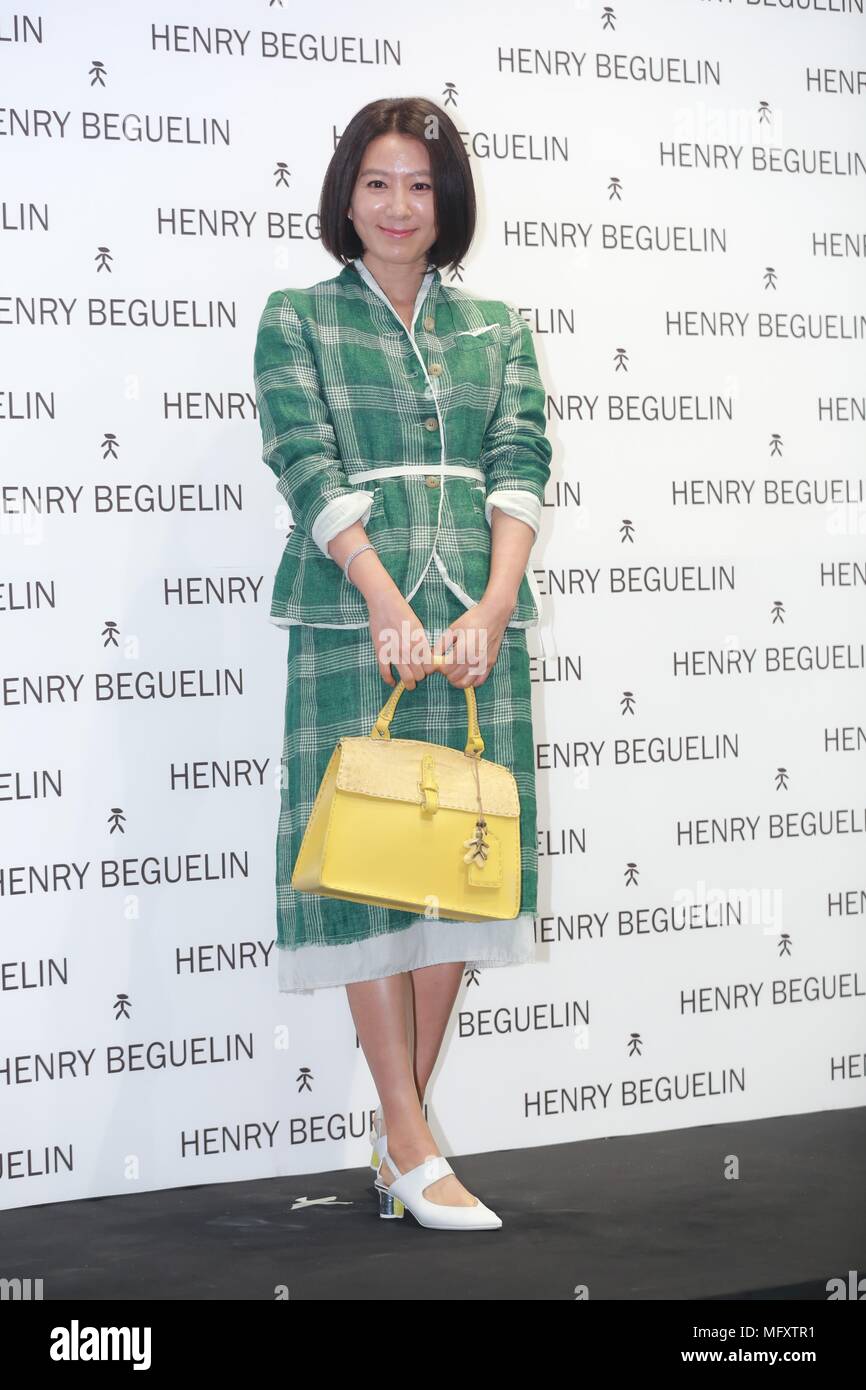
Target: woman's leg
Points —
{"points": [[435, 989], [382, 1011]]}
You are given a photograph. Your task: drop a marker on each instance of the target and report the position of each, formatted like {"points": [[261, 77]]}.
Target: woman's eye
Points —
{"points": [[372, 183]]}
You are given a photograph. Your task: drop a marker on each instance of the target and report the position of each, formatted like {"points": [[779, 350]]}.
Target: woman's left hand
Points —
{"points": [[470, 646]]}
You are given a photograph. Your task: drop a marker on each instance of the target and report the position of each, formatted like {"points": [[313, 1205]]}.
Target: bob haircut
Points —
{"points": [[453, 187]]}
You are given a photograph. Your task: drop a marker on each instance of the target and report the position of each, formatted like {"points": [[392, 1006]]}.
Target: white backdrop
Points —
{"points": [[672, 193]]}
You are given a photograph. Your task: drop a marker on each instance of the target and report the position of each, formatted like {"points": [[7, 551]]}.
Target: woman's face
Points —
{"points": [[394, 193]]}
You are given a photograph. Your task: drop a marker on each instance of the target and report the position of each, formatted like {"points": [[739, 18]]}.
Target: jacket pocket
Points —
{"points": [[376, 504], [480, 360], [481, 340], [478, 493], [377, 507]]}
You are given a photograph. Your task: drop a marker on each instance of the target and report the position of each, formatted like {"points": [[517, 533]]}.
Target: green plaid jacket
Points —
{"points": [[418, 436]]}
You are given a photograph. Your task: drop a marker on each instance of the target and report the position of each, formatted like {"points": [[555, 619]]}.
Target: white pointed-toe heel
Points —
{"points": [[407, 1192]]}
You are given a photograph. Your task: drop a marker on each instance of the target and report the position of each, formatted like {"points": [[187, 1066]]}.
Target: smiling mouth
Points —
{"points": [[397, 231]]}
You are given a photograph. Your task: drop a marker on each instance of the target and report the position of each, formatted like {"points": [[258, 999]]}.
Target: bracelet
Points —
{"points": [[368, 546]]}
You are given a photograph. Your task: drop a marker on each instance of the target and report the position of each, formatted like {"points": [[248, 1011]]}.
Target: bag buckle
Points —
{"points": [[428, 785]]}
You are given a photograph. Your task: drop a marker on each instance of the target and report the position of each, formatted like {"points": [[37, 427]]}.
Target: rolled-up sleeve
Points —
{"points": [[516, 452], [298, 440]]}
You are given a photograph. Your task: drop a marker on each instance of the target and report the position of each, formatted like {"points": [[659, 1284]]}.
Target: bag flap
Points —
{"points": [[391, 768]]}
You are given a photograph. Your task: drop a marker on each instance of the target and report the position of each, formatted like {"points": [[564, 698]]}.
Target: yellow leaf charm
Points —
{"points": [[478, 845]]}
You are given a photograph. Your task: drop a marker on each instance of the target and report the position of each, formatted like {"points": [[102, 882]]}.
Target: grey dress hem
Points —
{"points": [[480, 944]]}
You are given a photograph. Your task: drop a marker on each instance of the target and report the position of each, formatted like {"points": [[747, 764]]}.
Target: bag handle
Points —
{"points": [[474, 741]]}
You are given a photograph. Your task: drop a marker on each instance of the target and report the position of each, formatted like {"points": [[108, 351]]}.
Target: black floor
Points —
{"points": [[645, 1217]]}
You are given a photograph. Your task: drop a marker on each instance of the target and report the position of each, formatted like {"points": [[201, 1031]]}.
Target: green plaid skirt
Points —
{"points": [[333, 687]]}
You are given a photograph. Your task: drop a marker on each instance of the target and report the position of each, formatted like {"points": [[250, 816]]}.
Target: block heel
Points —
{"points": [[407, 1190], [390, 1206]]}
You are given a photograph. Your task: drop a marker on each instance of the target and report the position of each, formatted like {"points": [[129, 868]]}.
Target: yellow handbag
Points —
{"points": [[415, 826]]}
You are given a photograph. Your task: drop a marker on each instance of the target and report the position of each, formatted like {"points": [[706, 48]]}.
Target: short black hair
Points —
{"points": [[453, 187]]}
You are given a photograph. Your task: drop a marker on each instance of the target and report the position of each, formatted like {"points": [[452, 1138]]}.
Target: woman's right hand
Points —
{"points": [[399, 639]]}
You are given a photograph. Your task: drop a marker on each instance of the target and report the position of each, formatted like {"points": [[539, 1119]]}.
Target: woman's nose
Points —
{"points": [[399, 203]]}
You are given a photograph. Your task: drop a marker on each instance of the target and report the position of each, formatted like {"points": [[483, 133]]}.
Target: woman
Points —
{"points": [[405, 423]]}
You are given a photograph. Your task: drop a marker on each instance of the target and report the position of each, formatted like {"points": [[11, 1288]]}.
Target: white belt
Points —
{"points": [[464, 470]]}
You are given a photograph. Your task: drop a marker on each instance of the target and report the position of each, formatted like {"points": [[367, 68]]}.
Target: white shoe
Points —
{"points": [[407, 1190]]}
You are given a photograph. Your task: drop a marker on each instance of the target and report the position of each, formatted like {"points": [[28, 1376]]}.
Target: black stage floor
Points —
{"points": [[642, 1217]]}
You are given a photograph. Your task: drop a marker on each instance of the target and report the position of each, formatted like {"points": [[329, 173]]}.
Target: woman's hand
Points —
{"points": [[399, 639], [470, 646]]}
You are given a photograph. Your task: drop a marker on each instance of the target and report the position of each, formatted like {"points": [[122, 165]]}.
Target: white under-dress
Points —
{"points": [[425, 941]]}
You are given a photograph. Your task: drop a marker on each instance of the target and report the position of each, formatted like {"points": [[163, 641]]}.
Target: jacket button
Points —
{"points": [[436, 369], [431, 424], [432, 480], [429, 323]]}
